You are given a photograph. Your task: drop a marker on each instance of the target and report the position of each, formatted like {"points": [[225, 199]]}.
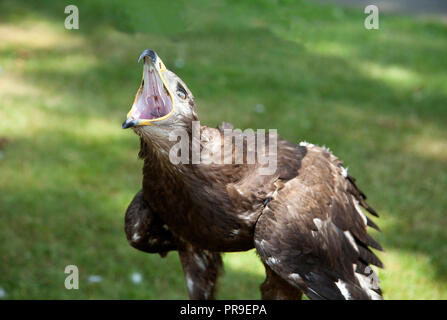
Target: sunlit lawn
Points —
{"points": [[378, 99]]}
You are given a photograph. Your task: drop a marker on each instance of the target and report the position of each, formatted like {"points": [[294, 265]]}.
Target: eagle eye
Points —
{"points": [[181, 92]]}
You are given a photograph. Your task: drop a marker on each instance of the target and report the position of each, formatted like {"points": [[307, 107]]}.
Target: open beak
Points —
{"points": [[154, 100]]}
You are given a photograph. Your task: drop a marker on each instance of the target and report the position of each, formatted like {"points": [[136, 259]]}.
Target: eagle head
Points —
{"points": [[163, 101]]}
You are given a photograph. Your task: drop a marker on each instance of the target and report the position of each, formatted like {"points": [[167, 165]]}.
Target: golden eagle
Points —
{"points": [[305, 218]]}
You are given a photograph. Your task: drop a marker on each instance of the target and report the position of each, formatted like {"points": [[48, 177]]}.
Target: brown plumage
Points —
{"points": [[305, 219]]}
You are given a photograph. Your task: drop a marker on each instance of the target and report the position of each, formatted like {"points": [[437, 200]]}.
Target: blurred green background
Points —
{"points": [[378, 99]]}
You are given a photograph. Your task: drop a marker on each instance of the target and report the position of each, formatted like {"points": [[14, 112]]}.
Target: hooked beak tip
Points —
{"points": [[148, 53], [129, 123]]}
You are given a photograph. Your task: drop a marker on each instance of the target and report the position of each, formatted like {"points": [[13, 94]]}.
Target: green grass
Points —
{"points": [[378, 99]]}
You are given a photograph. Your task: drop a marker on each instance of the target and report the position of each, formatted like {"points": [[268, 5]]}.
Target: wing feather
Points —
{"points": [[314, 233]]}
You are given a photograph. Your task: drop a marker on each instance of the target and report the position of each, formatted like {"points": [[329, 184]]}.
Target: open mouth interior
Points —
{"points": [[153, 100]]}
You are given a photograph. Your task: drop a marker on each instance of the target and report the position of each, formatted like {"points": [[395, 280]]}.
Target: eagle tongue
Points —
{"points": [[158, 99]]}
